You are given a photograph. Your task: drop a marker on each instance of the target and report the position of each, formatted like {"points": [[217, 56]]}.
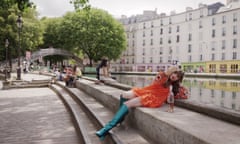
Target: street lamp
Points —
{"points": [[6, 68], [19, 25]]}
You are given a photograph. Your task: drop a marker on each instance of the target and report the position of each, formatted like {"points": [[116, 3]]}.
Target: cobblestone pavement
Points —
{"points": [[34, 116]]}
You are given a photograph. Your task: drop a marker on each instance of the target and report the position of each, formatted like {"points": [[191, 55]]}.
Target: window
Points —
{"points": [[169, 30], [189, 48], [234, 55], [213, 45], [234, 68], [223, 56], [133, 43], [189, 37], [151, 32], [143, 52], [152, 24], [213, 21], [178, 38], [143, 43], [151, 60], [223, 19], [201, 57], [212, 68], [160, 60], [200, 24], [234, 29], [170, 20], [223, 44], [224, 31], [190, 16], [161, 22], [178, 28], [223, 68], [151, 42], [144, 25], [201, 13], [210, 12], [143, 33], [213, 57], [169, 40], [189, 58], [234, 17], [234, 43], [161, 31], [161, 51], [161, 41], [213, 33], [170, 50]]}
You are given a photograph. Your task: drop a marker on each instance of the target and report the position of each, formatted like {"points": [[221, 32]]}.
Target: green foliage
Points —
{"points": [[81, 4], [31, 32], [94, 32], [51, 33]]}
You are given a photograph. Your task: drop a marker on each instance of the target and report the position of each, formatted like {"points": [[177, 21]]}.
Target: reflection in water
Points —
{"points": [[216, 92]]}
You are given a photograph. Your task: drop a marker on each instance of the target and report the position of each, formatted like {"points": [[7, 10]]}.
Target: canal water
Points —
{"points": [[220, 93]]}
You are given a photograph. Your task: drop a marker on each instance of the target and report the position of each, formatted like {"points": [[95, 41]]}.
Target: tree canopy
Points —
{"points": [[87, 31], [94, 32], [31, 31]]}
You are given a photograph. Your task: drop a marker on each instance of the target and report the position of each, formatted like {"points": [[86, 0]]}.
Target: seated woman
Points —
{"points": [[152, 96], [103, 70]]}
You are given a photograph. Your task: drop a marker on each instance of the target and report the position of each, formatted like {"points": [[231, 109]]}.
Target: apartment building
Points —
{"points": [[205, 39]]}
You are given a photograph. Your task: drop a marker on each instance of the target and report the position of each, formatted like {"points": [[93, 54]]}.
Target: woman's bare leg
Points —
{"points": [[134, 102], [128, 95]]}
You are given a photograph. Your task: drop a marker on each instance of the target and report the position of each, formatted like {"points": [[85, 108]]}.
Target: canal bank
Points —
{"points": [[183, 126], [197, 75], [235, 76]]}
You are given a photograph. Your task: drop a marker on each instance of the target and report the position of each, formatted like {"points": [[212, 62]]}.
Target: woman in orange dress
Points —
{"points": [[152, 96]]}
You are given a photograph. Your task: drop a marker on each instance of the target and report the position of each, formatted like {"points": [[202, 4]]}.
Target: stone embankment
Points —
{"points": [[184, 126]]}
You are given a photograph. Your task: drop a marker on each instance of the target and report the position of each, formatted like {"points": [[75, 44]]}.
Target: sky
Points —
{"points": [[57, 8]]}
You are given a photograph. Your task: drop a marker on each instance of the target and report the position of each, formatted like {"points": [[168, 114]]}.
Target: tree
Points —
{"points": [[31, 31], [78, 4], [94, 32], [51, 32]]}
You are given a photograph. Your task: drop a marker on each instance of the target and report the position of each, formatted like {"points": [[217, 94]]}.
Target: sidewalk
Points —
{"points": [[34, 115]]}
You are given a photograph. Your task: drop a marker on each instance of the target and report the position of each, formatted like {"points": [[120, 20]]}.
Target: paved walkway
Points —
{"points": [[34, 116]]}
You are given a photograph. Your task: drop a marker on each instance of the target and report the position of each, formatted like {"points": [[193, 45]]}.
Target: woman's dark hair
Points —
{"points": [[175, 84], [103, 62]]}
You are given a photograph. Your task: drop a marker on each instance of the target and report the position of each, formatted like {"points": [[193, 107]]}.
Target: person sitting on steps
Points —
{"points": [[152, 96]]}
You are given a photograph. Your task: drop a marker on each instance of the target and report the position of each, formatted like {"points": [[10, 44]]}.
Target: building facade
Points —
{"points": [[205, 39]]}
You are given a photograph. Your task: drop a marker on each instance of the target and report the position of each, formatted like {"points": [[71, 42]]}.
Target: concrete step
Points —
{"points": [[182, 126], [103, 115], [82, 123], [193, 105]]}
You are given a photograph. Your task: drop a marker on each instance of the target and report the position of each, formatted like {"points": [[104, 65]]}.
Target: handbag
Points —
{"points": [[182, 94]]}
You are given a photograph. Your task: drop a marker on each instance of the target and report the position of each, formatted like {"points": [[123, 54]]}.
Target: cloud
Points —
{"points": [[53, 8]]}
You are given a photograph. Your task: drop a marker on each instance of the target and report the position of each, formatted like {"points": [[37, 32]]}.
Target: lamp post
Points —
{"points": [[19, 25], [6, 68]]}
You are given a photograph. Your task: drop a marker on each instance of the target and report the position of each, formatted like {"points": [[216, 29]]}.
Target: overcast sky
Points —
{"points": [[56, 8]]}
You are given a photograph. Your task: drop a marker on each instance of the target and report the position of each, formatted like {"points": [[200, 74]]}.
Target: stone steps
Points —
{"points": [[182, 126], [100, 115]]}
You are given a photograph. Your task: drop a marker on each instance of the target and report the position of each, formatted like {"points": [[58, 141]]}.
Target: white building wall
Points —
{"points": [[196, 23]]}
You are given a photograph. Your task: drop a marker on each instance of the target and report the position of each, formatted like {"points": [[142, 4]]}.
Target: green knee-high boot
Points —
{"points": [[123, 110], [122, 100]]}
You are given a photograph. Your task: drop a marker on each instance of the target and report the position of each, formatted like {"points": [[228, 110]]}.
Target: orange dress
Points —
{"points": [[155, 94]]}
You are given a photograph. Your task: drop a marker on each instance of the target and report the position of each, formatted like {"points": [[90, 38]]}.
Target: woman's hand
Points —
{"points": [[158, 77]]}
